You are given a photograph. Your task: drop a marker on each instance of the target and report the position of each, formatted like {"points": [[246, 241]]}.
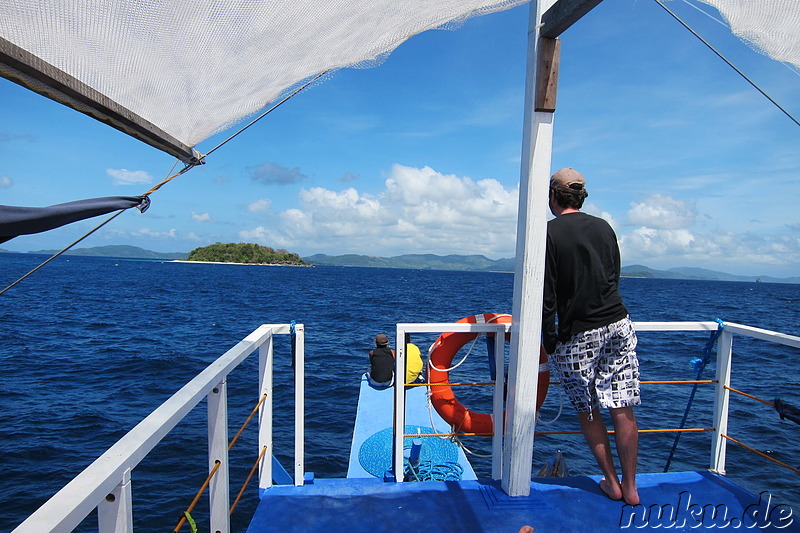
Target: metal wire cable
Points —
{"points": [[186, 168], [742, 74], [109, 219], [267, 112]]}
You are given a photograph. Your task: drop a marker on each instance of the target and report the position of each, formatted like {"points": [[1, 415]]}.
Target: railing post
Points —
{"points": [[219, 499], [86, 492], [299, 406], [115, 512], [721, 401], [498, 411], [265, 355], [398, 444]]}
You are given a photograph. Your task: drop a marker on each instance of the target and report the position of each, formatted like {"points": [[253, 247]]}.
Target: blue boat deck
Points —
{"points": [[370, 452], [363, 501], [687, 501]]}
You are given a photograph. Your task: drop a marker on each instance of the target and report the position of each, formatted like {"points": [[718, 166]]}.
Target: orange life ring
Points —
{"points": [[441, 357]]}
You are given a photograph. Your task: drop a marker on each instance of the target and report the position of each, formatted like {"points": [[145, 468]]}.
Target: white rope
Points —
{"points": [[476, 454], [430, 415], [430, 363], [558, 415]]}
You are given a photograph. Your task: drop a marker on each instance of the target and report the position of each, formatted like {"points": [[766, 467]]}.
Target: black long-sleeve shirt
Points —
{"points": [[381, 361], [581, 277]]}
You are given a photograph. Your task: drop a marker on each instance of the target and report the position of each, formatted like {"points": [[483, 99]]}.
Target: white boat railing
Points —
{"points": [[106, 483], [723, 374], [497, 397], [721, 396]]}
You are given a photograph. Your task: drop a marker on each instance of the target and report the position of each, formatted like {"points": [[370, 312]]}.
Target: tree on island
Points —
{"points": [[244, 253]]}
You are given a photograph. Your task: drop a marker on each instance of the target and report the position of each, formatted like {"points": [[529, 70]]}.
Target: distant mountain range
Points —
{"points": [[122, 251], [418, 261], [481, 263], [641, 271], [428, 262]]}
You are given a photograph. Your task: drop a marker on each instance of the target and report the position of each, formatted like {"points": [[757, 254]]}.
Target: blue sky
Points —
{"points": [[421, 154]]}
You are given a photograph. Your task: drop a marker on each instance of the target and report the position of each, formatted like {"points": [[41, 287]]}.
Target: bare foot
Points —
{"points": [[612, 490], [630, 493], [525, 529]]}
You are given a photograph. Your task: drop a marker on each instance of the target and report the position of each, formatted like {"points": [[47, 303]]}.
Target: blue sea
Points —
{"points": [[90, 346]]}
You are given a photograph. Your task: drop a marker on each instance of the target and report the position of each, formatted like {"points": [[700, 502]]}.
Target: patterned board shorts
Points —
{"points": [[599, 367]]}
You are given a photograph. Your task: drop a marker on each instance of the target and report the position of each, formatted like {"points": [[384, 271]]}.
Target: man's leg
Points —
{"points": [[597, 437], [626, 433]]}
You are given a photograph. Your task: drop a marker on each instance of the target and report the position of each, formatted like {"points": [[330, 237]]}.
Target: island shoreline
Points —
{"points": [[232, 263]]}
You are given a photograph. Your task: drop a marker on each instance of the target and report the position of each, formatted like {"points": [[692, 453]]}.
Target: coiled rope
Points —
{"points": [[429, 471]]}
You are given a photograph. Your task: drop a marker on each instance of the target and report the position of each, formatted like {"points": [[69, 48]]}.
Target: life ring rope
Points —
{"points": [[558, 415], [430, 363], [436, 344], [441, 394]]}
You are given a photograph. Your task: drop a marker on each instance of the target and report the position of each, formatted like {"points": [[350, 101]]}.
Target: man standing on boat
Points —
{"points": [[593, 344]]}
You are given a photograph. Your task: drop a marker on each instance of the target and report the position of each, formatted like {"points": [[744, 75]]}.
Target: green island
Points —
{"points": [[245, 253]]}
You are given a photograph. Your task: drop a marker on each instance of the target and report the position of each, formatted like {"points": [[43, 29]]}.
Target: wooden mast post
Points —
{"points": [[523, 372]]}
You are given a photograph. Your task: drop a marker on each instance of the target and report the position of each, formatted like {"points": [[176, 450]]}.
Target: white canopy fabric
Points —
{"points": [[192, 68], [771, 27]]}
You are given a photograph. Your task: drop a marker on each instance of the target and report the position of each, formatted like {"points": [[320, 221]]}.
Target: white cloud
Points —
{"points": [[649, 242], [6, 182], [724, 251], [201, 217], [147, 232], [662, 212], [420, 211], [593, 209], [129, 177], [265, 236], [259, 206], [666, 237]]}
